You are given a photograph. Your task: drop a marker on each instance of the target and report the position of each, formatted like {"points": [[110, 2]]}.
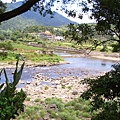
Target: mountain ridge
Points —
{"points": [[31, 18]]}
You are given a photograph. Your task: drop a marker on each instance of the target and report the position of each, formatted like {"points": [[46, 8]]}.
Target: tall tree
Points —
{"points": [[107, 16]]}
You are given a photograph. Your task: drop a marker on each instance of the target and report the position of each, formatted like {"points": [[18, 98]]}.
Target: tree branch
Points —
{"points": [[13, 13]]}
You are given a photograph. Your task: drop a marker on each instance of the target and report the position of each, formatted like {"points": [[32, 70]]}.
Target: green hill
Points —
{"points": [[32, 18]]}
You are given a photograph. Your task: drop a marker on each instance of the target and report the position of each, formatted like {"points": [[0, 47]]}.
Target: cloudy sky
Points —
{"points": [[84, 20]]}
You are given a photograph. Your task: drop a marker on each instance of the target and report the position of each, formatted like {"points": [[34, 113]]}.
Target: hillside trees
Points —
{"points": [[42, 6], [106, 13]]}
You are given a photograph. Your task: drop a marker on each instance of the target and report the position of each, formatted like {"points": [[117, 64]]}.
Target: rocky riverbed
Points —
{"points": [[66, 88]]}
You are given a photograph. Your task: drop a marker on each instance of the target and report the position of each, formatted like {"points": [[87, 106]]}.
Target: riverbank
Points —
{"points": [[105, 56], [97, 55], [30, 64]]}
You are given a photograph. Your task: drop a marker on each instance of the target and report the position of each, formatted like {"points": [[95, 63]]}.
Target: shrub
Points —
{"points": [[27, 99], [11, 101], [6, 45], [104, 93], [37, 100], [46, 87], [116, 48]]}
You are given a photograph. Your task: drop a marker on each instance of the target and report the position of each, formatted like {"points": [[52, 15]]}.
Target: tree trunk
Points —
{"points": [[13, 13]]}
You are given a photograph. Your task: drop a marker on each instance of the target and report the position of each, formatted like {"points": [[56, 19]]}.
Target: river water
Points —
{"points": [[79, 66]]}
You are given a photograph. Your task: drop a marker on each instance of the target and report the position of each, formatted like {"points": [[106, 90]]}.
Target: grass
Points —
{"points": [[77, 109], [10, 56], [37, 100], [46, 87], [42, 57], [22, 46], [28, 99], [29, 53]]}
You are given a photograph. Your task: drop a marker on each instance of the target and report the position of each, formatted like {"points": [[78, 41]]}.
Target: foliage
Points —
{"points": [[2, 7], [116, 48], [11, 101], [43, 57], [104, 93], [106, 14], [28, 52], [77, 109], [106, 28], [6, 45], [40, 29], [87, 34]]}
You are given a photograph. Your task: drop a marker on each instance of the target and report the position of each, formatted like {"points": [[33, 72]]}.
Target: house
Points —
{"points": [[46, 35], [59, 38]]}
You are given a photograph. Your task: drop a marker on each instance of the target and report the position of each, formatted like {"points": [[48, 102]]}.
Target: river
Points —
{"points": [[79, 67]]}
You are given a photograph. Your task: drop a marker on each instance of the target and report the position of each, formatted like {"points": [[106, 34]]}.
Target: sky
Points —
{"points": [[84, 20]]}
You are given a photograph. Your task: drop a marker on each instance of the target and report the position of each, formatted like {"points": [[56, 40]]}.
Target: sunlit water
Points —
{"points": [[79, 67]]}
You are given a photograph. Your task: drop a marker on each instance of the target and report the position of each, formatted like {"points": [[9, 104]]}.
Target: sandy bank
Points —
{"points": [[29, 64], [105, 56]]}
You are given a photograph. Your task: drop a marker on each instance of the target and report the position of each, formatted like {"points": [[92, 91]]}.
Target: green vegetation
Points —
{"points": [[46, 87], [29, 35], [11, 101], [88, 38], [27, 99], [28, 53], [27, 19], [37, 100], [104, 93], [69, 87], [77, 109]]}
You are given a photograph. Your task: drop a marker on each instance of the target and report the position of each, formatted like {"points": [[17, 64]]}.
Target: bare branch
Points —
{"points": [[23, 8]]}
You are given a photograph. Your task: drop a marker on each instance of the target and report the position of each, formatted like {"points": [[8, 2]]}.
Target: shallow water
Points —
{"points": [[79, 67]]}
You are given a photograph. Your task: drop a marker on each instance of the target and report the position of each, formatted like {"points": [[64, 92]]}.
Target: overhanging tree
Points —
{"points": [[107, 16], [42, 6]]}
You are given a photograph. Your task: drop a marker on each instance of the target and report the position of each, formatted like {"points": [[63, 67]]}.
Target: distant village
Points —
{"points": [[48, 36]]}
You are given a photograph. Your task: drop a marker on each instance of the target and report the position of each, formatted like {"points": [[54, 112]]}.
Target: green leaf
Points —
{"points": [[7, 89], [17, 75]]}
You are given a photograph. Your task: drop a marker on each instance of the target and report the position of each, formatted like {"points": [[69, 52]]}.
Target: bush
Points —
{"points": [[11, 101], [116, 48], [104, 93], [6, 45]]}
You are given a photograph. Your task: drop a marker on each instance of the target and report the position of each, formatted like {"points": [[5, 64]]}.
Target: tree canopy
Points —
{"points": [[107, 16]]}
